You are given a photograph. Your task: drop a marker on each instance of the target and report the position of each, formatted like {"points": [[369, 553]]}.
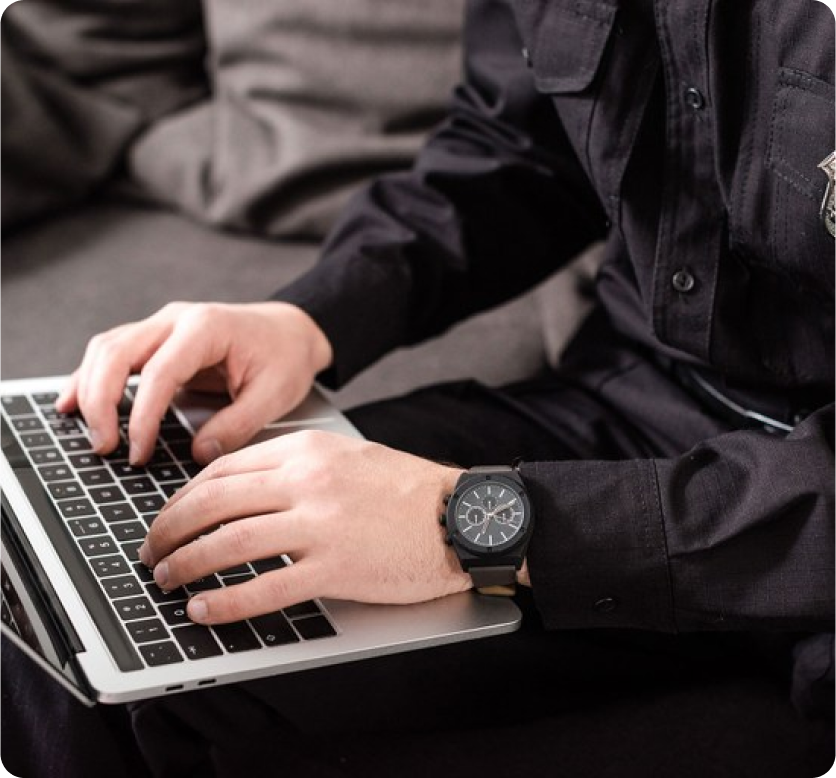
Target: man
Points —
{"points": [[679, 463]]}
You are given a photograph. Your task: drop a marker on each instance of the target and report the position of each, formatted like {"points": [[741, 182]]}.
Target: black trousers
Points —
{"points": [[604, 703]]}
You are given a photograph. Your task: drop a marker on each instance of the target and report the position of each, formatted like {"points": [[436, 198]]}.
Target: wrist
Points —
{"points": [[320, 352], [523, 578]]}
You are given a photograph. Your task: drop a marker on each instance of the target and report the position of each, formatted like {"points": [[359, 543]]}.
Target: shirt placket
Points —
{"points": [[691, 225]]}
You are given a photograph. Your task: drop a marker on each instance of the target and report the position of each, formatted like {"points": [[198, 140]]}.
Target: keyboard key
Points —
{"points": [[107, 494], [143, 572], [129, 530], [147, 631], [82, 527], [131, 550], [76, 444], [314, 627], [65, 427], [28, 424], [160, 457], [55, 473], [197, 642], [308, 608], [236, 637], [170, 489], [148, 518], [156, 654], [45, 398], [123, 586], [148, 503], [274, 629], [106, 566], [162, 473], [237, 570], [36, 440], [174, 613], [231, 580], [120, 511], [266, 565], [134, 608], [192, 469], [138, 485], [125, 470], [98, 477], [181, 449], [82, 461], [46, 456], [97, 546], [74, 509], [159, 596], [50, 414], [61, 490], [204, 584], [17, 405]]}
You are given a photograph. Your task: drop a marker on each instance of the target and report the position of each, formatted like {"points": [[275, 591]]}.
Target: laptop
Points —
{"points": [[76, 598]]}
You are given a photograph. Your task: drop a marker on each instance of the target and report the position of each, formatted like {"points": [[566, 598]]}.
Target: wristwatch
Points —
{"points": [[489, 522]]}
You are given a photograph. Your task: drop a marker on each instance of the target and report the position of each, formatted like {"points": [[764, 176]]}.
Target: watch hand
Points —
{"points": [[501, 508]]}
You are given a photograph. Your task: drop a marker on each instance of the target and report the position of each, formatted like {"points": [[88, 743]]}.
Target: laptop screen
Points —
{"points": [[29, 616]]}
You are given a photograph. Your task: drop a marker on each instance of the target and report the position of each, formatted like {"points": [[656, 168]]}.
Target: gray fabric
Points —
{"points": [[79, 81], [310, 98], [68, 278]]}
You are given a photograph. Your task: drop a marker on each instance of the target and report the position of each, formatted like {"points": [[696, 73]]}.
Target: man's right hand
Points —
{"points": [[263, 355]]}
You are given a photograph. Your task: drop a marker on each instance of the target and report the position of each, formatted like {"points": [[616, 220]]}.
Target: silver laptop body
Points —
{"points": [[57, 609]]}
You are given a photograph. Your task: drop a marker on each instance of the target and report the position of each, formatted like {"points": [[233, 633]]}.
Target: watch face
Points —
{"points": [[490, 513]]}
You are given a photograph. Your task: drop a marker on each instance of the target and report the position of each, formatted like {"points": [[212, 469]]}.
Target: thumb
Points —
{"points": [[237, 423]]}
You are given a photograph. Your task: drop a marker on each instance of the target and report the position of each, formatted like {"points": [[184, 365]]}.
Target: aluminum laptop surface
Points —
{"points": [[60, 602]]}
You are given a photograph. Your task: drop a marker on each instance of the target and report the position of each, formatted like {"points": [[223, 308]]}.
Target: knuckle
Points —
{"points": [[240, 537]]}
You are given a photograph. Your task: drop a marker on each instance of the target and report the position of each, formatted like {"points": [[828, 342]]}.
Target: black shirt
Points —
{"points": [[687, 134]]}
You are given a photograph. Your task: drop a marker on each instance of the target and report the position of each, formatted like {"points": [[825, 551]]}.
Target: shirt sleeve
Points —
{"points": [[738, 533], [495, 202]]}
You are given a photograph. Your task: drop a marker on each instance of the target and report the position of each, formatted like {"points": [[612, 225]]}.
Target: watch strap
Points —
{"points": [[495, 581]]}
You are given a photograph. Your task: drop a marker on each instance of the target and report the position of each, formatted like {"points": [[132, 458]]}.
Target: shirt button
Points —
{"points": [[683, 281], [606, 605], [694, 98]]}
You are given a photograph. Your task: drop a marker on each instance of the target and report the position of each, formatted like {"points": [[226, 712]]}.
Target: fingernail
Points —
{"points": [[197, 609], [135, 453], [95, 439], [145, 555], [161, 574], [209, 450]]}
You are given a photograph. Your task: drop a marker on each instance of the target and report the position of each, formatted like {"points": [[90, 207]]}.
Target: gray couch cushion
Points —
{"points": [[310, 98]]}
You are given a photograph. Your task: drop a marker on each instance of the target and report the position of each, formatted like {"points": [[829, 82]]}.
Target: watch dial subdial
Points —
{"points": [[490, 514]]}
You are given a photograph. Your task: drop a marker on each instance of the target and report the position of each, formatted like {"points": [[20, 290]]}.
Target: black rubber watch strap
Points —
{"points": [[493, 576]]}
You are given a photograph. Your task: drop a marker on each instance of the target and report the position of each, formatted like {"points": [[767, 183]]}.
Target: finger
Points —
{"points": [[256, 537], [109, 360], [257, 403], [194, 344], [267, 456], [213, 502], [67, 401], [265, 593]]}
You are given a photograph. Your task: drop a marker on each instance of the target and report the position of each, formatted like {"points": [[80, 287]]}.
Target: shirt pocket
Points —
{"points": [[565, 42], [781, 213]]}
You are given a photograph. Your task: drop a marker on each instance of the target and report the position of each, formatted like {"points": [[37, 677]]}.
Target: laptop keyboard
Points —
{"points": [[107, 507]]}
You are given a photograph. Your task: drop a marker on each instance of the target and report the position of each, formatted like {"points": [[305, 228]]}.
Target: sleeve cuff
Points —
{"points": [[598, 555]]}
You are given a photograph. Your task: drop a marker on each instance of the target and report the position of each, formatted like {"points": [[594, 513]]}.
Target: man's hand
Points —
{"points": [[360, 521], [264, 355]]}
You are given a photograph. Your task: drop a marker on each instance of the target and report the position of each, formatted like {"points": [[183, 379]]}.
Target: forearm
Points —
{"points": [[735, 534]]}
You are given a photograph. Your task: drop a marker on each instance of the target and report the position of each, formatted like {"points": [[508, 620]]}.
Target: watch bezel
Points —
{"points": [[460, 540]]}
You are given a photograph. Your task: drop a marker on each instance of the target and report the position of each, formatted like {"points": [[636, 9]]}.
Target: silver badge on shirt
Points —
{"points": [[828, 206]]}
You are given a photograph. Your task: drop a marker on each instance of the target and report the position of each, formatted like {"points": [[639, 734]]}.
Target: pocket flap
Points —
{"points": [[565, 40]]}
